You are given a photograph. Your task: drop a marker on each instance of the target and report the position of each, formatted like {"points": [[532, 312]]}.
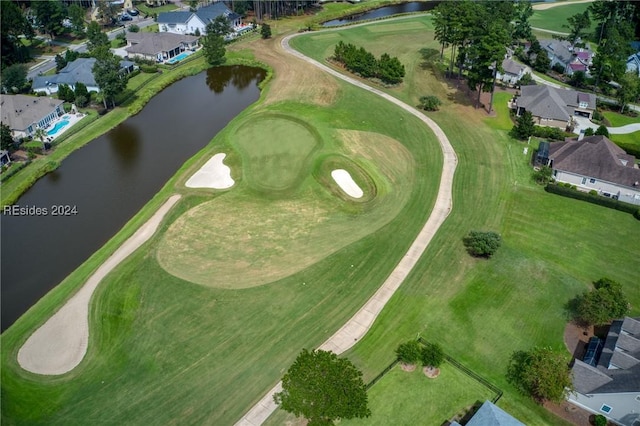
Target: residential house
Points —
{"points": [[611, 387], [185, 22], [490, 414], [596, 163], [159, 46], [633, 63], [78, 71], [24, 114], [154, 3], [555, 107], [513, 71], [569, 57]]}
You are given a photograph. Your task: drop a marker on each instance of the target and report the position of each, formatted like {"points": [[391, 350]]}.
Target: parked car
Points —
{"points": [[133, 12], [125, 17]]}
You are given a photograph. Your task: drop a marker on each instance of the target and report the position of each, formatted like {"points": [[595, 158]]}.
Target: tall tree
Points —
{"points": [[322, 388], [13, 24], [96, 38], [107, 73], [6, 140], [604, 303], [541, 373], [107, 11], [220, 26], [49, 16], [578, 25], [444, 24], [521, 27], [213, 49], [76, 16], [629, 89], [524, 126], [14, 78]]}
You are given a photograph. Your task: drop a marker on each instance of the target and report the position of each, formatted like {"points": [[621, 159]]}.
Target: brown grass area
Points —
{"points": [[238, 241], [293, 78]]}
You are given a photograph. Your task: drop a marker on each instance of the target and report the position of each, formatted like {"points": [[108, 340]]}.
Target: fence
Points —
{"points": [[457, 364], [471, 374]]}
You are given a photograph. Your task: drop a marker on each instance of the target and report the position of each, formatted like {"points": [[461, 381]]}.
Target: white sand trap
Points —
{"points": [[346, 183], [60, 344], [214, 174]]}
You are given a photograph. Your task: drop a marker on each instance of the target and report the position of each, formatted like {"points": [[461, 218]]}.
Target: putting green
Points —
{"points": [[275, 150], [238, 240]]}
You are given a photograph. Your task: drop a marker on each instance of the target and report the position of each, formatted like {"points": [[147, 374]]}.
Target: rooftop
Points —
{"points": [[20, 111]]}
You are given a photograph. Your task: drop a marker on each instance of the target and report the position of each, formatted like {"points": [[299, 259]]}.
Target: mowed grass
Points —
{"points": [[164, 350], [616, 120], [400, 397], [554, 19], [553, 247], [276, 151]]}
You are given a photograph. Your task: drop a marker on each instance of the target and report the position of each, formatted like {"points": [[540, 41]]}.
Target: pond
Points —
{"points": [[415, 6], [106, 182]]}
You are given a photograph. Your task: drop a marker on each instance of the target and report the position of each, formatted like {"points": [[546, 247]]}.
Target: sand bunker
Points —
{"points": [[214, 174], [346, 183], [60, 344]]}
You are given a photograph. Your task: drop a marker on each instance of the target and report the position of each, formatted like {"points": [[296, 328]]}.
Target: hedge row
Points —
{"points": [[630, 149], [595, 199]]}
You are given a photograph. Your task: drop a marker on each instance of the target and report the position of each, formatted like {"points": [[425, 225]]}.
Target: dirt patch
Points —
{"points": [[431, 372], [293, 77], [407, 367], [576, 338], [569, 412]]}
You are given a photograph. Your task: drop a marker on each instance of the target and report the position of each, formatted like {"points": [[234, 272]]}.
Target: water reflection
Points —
{"points": [[125, 144], [110, 179], [415, 6]]}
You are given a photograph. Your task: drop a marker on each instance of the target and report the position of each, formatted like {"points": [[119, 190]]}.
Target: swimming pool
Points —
{"points": [[59, 125], [178, 58]]}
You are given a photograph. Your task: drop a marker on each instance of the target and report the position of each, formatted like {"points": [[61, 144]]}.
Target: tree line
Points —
{"points": [[360, 61]]}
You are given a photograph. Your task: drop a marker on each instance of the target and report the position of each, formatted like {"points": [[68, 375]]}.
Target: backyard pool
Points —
{"points": [[178, 58], [58, 126]]}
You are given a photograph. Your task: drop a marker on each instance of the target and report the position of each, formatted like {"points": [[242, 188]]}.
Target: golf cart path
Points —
{"points": [[60, 344], [354, 329]]}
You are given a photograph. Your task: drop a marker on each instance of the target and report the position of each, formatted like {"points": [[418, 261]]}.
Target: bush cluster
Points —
{"points": [[430, 355], [149, 69], [551, 133], [482, 244], [570, 191], [358, 60]]}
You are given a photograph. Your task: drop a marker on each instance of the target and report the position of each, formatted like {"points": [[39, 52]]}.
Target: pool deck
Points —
{"points": [[73, 119]]}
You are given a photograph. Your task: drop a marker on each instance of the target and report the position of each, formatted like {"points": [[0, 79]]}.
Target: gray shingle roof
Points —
{"points": [[78, 71], [491, 415], [595, 157], [557, 49], [205, 14], [20, 111], [180, 17], [512, 67], [548, 102], [626, 376], [153, 43]]}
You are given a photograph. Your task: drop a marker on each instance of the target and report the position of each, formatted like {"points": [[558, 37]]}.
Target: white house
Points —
{"points": [[184, 22], [513, 72], [596, 163], [608, 383], [78, 71], [24, 114]]}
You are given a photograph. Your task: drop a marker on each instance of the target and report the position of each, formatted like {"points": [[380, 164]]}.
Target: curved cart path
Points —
{"points": [[60, 344], [360, 323]]}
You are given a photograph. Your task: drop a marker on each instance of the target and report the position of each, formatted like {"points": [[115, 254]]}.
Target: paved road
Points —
{"points": [[361, 322], [49, 60]]}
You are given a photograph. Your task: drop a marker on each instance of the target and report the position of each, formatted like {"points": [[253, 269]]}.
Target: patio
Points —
{"points": [[62, 124]]}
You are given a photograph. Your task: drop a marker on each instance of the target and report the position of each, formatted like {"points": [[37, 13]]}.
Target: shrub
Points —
{"points": [[133, 28], [430, 103], [562, 189], [597, 116], [558, 68], [600, 420], [588, 131], [432, 355], [601, 305], [149, 69], [593, 192], [102, 111], [543, 175], [409, 352], [482, 243], [602, 130]]}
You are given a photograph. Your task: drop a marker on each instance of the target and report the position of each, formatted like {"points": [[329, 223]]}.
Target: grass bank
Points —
{"points": [[555, 18], [554, 248], [143, 88], [163, 348]]}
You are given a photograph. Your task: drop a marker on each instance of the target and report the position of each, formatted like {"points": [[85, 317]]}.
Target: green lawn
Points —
{"points": [[616, 119], [150, 29], [165, 350], [555, 18], [143, 8]]}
